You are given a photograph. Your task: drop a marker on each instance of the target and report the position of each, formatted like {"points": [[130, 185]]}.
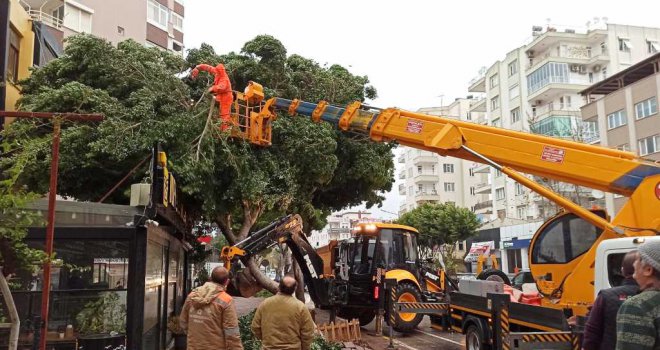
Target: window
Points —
{"points": [[616, 119], [494, 81], [13, 54], [157, 14], [604, 70], [419, 169], [549, 73], [646, 108], [565, 239], [498, 173], [177, 22], [120, 30], [521, 211], [514, 92], [77, 19], [652, 46], [515, 115], [624, 45], [495, 103], [500, 194], [590, 132], [513, 67], [420, 188], [648, 145], [448, 168], [495, 122], [520, 189], [471, 171], [472, 191], [461, 245], [58, 17], [449, 187]]}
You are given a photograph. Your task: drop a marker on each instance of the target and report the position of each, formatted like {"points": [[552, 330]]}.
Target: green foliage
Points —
{"points": [[250, 342], [16, 258], [104, 315], [263, 294], [441, 224]]}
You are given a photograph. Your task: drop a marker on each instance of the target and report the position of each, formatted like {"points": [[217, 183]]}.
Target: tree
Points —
{"points": [[440, 226], [311, 169]]}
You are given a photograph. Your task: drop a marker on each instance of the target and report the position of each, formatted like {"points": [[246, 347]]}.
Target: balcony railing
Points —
{"points": [[45, 18], [483, 205], [556, 108]]}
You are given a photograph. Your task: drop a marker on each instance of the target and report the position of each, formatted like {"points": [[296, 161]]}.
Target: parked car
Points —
{"points": [[520, 278]]}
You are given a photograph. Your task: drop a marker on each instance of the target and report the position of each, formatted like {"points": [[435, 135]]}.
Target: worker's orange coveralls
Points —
{"points": [[221, 89]]}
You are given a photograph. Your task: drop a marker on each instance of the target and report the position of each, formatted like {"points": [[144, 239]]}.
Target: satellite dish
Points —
{"points": [[597, 194]]}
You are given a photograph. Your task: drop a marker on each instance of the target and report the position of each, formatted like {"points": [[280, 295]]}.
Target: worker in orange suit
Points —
{"points": [[221, 89]]}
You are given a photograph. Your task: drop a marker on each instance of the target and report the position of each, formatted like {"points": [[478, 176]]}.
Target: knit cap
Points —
{"points": [[650, 252]]}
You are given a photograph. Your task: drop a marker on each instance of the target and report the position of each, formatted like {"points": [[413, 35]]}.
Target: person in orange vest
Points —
{"points": [[221, 90], [209, 315]]}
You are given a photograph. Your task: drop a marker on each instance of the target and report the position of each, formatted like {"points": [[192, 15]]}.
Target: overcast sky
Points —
{"points": [[413, 51]]}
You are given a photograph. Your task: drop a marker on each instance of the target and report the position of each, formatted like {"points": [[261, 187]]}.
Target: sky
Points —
{"points": [[416, 53]]}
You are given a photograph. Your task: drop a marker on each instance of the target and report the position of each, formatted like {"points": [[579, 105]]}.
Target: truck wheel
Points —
{"points": [[406, 322], [366, 317], [494, 275], [474, 340]]}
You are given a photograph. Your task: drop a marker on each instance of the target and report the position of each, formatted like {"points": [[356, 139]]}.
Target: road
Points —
{"points": [[424, 337]]}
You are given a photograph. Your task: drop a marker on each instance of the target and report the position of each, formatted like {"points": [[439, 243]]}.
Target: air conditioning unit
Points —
{"points": [[530, 54], [575, 67], [596, 68]]}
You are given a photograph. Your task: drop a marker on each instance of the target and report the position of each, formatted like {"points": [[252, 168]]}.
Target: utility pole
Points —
{"points": [[52, 194]]}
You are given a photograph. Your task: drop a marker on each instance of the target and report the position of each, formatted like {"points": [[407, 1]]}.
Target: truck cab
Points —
{"points": [[609, 256]]}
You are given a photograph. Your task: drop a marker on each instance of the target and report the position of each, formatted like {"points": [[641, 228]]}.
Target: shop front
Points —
{"points": [[120, 272], [515, 257]]}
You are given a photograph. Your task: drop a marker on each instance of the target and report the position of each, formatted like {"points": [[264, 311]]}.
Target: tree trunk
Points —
{"points": [[300, 290], [13, 314]]}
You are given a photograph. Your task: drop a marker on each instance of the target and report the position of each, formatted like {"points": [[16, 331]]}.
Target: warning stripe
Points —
{"points": [[504, 323], [548, 338], [434, 306]]}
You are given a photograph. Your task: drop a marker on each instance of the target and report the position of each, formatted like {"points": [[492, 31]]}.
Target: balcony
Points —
{"points": [[402, 159], [482, 188], [557, 126], [402, 189], [483, 205], [431, 195], [550, 87], [482, 168], [478, 84], [478, 106], [550, 109], [402, 175], [427, 177], [425, 159]]}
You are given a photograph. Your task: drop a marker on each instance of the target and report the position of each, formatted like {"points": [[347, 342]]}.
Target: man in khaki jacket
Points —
{"points": [[209, 316], [283, 322]]}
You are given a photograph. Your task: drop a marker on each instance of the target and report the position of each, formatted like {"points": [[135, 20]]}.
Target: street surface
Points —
{"points": [[424, 337]]}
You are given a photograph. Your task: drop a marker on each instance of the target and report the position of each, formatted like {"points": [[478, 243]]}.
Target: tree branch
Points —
{"points": [[224, 223]]}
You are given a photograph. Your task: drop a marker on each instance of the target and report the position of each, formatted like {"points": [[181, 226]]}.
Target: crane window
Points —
{"points": [[614, 274], [363, 254], [564, 239]]}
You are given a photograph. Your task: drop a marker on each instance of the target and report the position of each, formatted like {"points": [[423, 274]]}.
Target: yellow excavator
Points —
{"points": [[563, 250]]}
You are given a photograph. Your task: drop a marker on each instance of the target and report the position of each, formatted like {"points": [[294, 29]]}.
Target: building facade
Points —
{"points": [[429, 178], [623, 111], [339, 227], [155, 23], [536, 88]]}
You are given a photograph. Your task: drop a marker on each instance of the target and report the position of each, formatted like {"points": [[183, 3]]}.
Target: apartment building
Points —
{"points": [[339, 227], [536, 88], [155, 23], [430, 178], [622, 111]]}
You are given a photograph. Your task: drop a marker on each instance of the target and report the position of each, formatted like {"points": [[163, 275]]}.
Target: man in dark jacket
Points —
{"points": [[600, 330]]}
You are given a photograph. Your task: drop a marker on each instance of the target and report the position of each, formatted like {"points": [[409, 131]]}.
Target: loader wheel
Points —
{"points": [[474, 340], [406, 322], [494, 275]]}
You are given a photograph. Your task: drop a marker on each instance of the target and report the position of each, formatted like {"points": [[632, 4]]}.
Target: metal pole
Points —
{"points": [[50, 232], [13, 314], [391, 287]]}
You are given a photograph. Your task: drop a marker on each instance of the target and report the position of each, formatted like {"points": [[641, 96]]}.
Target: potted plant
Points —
{"points": [[179, 335], [101, 323]]}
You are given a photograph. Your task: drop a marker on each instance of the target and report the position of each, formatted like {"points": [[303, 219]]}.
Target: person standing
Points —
{"points": [[209, 316], [638, 320], [283, 322], [600, 330]]}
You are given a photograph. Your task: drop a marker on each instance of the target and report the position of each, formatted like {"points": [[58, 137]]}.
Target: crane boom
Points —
{"points": [[573, 162]]}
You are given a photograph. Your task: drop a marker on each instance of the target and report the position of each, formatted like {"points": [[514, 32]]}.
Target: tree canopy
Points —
{"points": [[147, 96], [441, 224]]}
